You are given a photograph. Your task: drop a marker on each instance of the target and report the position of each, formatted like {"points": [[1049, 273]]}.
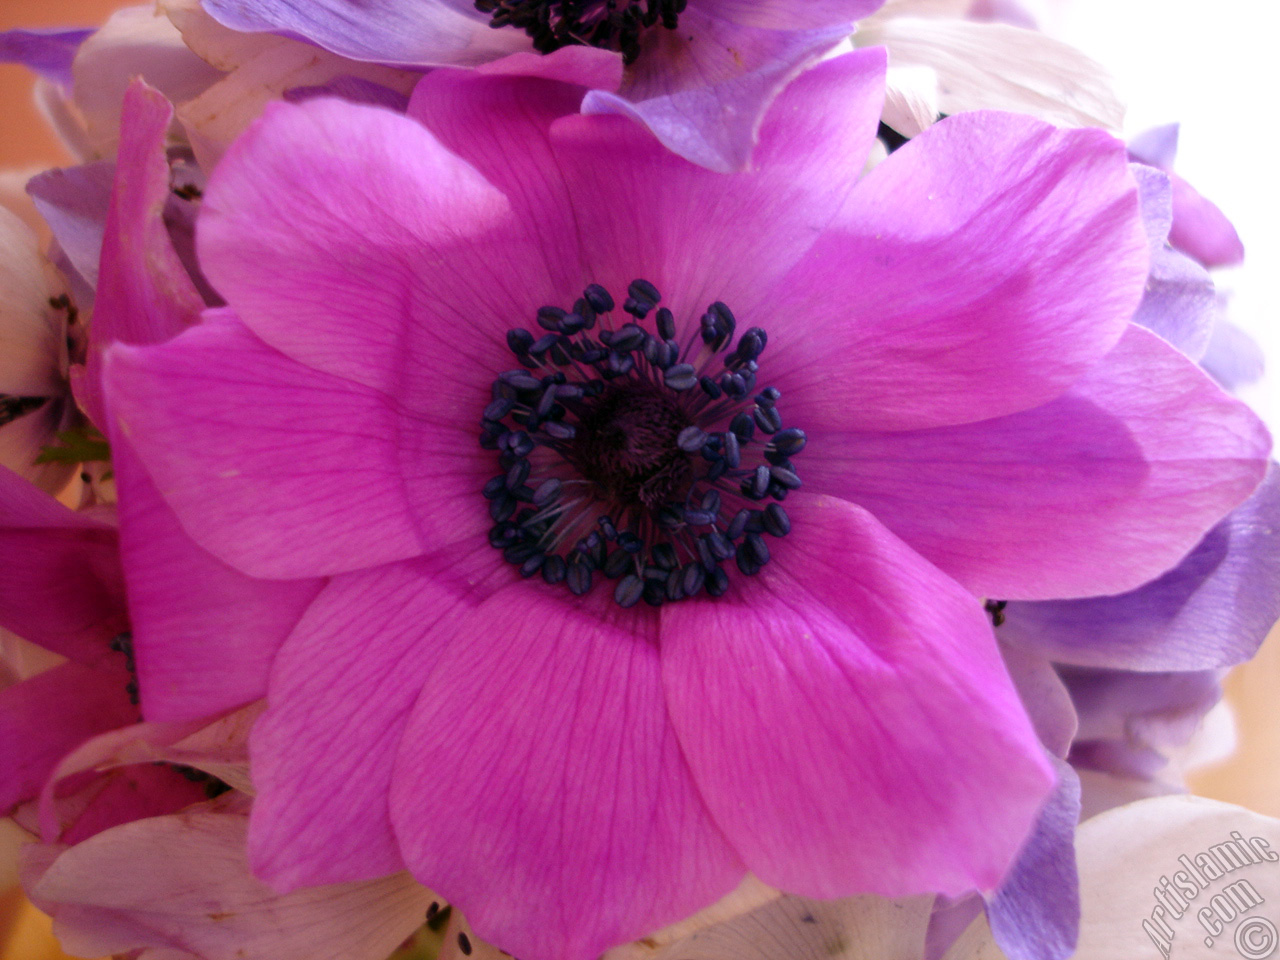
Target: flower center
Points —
{"points": [[610, 24], [627, 455]]}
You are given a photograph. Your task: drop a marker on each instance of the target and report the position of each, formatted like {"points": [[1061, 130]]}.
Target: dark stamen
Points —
{"points": [[615, 460]]}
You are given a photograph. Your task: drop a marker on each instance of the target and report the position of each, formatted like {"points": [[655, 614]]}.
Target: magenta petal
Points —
{"points": [[980, 270], [204, 634], [350, 239], [540, 788], [704, 236], [848, 718], [48, 716], [62, 587], [1095, 493], [279, 470], [348, 676], [703, 88], [144, 293]]}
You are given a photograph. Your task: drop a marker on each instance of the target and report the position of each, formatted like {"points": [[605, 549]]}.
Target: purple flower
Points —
{"points": [[655, 501], [700, 73]]}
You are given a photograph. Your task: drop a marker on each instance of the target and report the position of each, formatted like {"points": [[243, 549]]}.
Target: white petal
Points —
{"points": [[992, 66], [1176, 844], [910, 99]]}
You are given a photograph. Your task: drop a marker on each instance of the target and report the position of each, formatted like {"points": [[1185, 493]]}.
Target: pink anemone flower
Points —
{"points": [[657, 502]]}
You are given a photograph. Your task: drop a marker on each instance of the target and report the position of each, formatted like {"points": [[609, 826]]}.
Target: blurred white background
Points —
{"points": [[1212, 66]]}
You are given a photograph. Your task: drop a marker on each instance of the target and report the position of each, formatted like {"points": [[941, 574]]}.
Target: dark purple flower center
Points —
{"points": [[609, 24], [627, 455]]}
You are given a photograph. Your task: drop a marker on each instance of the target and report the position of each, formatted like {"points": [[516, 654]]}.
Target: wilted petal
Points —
{"points": [[181, 884], [994, 66], [74, 202], [31, 333]]}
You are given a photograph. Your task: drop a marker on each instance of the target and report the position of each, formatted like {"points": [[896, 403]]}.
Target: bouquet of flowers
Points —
{"points": [[655, 478]]}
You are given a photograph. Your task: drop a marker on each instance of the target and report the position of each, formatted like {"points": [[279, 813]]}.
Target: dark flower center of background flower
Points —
{"points": [[609, 24], [627, 455]]}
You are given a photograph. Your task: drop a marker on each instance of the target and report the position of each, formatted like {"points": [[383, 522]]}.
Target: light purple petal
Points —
{"points": [[47, 52], [1096, 492], [848, 718], [355, 90], [980, 280], [417, 33], [1212, 610], [74, 203], [1043, 694], [1233, 358], [340, 696], [278, 470], [703, 88], [540, 787], [789, 14], [1035, 915]]}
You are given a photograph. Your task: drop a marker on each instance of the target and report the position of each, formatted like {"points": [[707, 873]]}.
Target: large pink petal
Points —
{"points": [[1097, 492], [978, 271], [500, 125], [62, 587], [349, 238], [48, 716], [848, 718], [144, 293], [275, 468], [540, 787], [180, 886], [341, 692], [204, 634], [701, 236]]}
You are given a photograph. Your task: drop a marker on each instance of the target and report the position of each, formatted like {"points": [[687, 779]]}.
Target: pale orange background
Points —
{"points": [[1251, 778]]}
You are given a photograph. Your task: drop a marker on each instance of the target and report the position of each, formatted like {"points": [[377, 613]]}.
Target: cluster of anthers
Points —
{"points": [[628, 455], [609, 24]]}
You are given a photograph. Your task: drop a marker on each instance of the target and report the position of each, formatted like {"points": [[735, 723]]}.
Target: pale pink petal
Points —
{"points": [[30, 336], [180, 884], [700, 236], [204, 634], [349, 676], [144, 293], [1097, 492], [540, 787], [277, 469], [136, 41], [848, 719], [46, 717], [962, 283], [343, 234]]}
